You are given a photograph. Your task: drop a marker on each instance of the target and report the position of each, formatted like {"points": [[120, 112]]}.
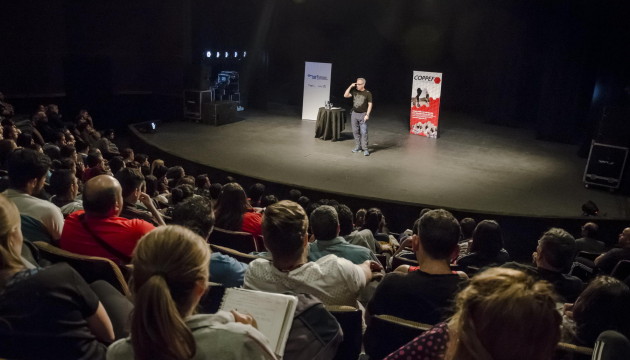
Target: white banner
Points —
{"points": [[426, 91], [316, 88]]}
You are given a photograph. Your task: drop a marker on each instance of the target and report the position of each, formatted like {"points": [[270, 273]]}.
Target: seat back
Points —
{"points": [[572, 351], [237, 240], [397, 261], [611, 345], [91, 268], [242, 257], [386, 333], [351, 321], [588, 255]]}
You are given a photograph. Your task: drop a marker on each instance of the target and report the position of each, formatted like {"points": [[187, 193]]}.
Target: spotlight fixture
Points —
{"points": [[236, 54], [227, 55], [218, 54], [244, 53], [208, 54]]}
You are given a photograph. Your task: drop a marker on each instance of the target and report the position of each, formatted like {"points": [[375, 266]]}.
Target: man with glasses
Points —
{"points": [[361, 109]]}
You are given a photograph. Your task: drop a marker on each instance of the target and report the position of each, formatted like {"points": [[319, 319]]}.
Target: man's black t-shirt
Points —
{"points": [[44, 316], [360, 100], [415, 296]]}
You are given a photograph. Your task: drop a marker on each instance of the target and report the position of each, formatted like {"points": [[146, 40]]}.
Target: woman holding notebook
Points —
{"points": [[170, 275]]}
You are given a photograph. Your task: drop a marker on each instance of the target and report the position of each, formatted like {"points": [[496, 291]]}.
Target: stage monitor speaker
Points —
{"points": [[218, 112], [605, 165]]}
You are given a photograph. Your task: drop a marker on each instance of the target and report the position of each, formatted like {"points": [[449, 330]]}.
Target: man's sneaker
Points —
{"points": [[366, 153], [356, 150]]}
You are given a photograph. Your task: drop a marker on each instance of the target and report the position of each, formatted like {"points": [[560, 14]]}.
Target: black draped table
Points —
{"points": [[330, 123]]}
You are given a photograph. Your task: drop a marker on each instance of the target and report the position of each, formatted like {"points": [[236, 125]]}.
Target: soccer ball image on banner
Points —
{"points": [[426, 129]]}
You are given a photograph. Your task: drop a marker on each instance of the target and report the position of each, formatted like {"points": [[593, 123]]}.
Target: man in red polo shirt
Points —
{"points": [[99, 231]]}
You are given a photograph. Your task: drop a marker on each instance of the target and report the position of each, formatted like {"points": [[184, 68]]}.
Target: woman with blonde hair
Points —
{"points": [[501, 314], [170, 275], [46, 313]]}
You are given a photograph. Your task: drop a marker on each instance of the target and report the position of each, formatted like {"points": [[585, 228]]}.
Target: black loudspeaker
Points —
{"points": [[605, 165], [218, 112]]}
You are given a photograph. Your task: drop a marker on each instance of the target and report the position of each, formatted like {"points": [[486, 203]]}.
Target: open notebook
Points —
{"points": [[273, 313]]}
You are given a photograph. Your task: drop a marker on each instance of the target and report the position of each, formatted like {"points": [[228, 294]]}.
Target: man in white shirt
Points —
{"points": [[27, 174], [334, 280]]}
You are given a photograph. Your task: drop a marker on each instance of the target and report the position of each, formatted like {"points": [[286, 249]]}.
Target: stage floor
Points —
{"points": [[473, 166]]}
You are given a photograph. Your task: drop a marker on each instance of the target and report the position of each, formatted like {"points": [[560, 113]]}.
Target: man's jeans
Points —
{"points": [[359, 130]]}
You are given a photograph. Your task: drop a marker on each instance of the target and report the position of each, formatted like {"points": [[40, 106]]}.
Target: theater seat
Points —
{"points": [[91, 268], [237, 240], [386, 333], [351, 321], [242, 257]]}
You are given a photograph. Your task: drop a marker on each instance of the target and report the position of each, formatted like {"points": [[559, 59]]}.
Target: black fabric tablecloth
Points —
{"points": [[330, 123]]}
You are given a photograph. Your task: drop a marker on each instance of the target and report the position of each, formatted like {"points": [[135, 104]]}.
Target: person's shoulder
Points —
{"points": [[120, 349]]}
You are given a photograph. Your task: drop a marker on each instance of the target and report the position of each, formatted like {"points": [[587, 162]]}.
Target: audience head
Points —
{"points": [[268, 200], [151, 184], [294, 195], [131, 181], [374, 220], [170, 274], [27, 170], [468, 227], [256, 191], [285, 231], [215, 191], [324, 222], [142, 159], [52, 151], [603, 305], [68, 151], [624, 237], [116, 164], [109, 133], [10, 133], [304, 201], [589, 230], [64, 184], [156, 163], [10, 239], [181, 193], [359, 218], [102, 196], [487, 239], [196, 214], [202, 181], [94, 158], [438, 234], [24, 140], [556, 250], [345, 220], [505, 314], [127, 154], [6, 149], [231, 206]]}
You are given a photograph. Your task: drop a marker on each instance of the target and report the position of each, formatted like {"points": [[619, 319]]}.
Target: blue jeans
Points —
{"points": [[359, 130]]}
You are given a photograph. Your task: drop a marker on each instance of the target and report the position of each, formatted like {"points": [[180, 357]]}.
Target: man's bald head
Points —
{"points": [[102, 196]]}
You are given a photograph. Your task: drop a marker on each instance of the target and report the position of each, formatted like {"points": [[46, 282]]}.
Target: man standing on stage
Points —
{"points": [[361, 108]]}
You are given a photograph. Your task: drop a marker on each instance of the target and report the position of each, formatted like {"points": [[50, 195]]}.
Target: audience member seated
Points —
{"points": [[116, 164], [170, 272], [40, 122], [96, 165], [325, 227], [553, 258], [64, 188], [588, 242], [131, 182], [27, 173], [233, 212], [54, 117], [468, 226], [106, 144], [375, 222], [602, 306], [503, 314], [424, 293], [173, 175], [356, 237], [196, 214], [487, 247], [6, 110], [255, 194], [127, 155], [84, 118], [88, 134], [152, 189], [49, 313], [334, 280], [6, 149], [267, 200], [607, 261], [99, 231]]}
